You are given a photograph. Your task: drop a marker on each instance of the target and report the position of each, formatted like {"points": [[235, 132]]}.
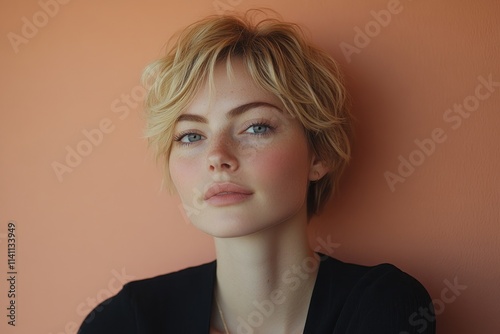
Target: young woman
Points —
{"points": [[253, 127]]}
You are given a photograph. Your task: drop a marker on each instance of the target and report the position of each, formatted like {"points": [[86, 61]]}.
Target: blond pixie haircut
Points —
{"points": [[278, 58]]}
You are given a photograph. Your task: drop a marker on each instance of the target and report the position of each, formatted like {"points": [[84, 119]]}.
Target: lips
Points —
{"points": [[226, 189]]}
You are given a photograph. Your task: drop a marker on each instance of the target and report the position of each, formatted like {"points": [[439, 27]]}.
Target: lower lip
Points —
{"points": [[227, 199]]}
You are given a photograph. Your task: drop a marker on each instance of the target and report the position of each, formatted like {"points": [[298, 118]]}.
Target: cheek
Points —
{"points": [[181, 172], [283, 169]]}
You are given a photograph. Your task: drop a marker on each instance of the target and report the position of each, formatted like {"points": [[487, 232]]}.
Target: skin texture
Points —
{"points": [[273, 163], [260, 229]]}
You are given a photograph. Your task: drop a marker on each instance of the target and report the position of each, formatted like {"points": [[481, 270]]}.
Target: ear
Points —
{"points": [[317, 169]]}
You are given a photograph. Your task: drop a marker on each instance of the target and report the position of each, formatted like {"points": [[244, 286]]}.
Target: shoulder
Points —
{"points": [[378, 299], [141, 305], [381, 278], [169, 291], [172, 283]]}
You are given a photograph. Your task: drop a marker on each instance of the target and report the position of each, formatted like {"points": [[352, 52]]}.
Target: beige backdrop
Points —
{"points": [[83, 193]]}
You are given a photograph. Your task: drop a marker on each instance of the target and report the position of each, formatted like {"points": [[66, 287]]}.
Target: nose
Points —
{"points": [[221, 155]]}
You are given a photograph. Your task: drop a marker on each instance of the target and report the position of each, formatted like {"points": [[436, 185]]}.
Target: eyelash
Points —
{"points": [[269, 127]]}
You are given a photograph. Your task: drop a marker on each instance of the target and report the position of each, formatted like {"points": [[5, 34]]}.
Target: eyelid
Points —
{"points": [[260, 121]]}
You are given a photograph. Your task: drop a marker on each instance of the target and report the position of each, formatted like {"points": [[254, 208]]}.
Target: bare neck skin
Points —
{"points": [[273, 268]]}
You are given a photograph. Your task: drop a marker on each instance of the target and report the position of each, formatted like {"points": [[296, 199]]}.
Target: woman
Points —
{"points": [[253, 127]]}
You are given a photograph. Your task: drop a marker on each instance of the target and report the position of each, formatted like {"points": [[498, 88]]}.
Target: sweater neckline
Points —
{"points": [[316, 304]]}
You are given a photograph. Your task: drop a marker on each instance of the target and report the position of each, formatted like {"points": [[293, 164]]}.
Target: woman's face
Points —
{"points": [[239, 162]]}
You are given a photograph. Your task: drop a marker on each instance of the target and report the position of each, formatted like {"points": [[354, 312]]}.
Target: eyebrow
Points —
{"points": [[230, 114]]}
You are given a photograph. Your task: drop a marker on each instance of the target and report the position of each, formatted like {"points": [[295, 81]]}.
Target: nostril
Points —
{"points": [[221, 158]]}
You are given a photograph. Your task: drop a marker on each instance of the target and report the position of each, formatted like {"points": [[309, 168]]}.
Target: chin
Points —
{"points": [[225, 227], [234, 226]]}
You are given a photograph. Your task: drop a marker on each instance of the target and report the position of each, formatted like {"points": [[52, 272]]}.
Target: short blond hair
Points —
{"points": [[275, 53]]}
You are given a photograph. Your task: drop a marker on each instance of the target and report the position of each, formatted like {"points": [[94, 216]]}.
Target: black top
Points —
{"points": [[347, 298]]}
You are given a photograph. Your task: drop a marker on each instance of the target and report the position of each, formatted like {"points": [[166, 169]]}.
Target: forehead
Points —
{"points": [[230, 86]]}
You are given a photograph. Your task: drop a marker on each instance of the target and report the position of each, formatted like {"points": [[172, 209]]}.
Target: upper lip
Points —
{"points": [[226, 187]]}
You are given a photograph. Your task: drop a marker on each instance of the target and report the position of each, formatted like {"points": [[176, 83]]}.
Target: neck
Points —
{"points": [[265, 280]]}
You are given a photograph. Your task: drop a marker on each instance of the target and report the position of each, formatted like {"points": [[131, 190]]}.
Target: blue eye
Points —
{"points": [[259, 128], [188, 138]]}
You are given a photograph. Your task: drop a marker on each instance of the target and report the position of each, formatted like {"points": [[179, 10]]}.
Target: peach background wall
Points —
{"points": [[103, 220]]}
